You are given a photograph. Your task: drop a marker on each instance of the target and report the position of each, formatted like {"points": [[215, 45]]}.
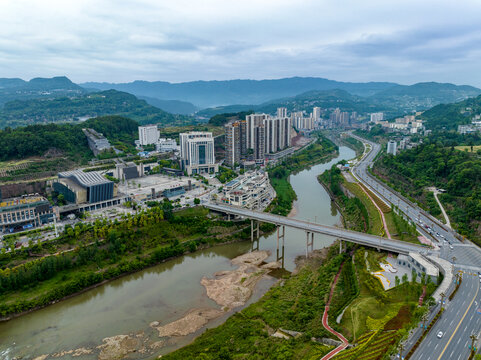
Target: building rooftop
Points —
{"points": [[431, 269], [21, 200], [84, 178]]}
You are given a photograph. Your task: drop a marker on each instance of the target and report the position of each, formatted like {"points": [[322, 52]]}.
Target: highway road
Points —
{"points": [[461, 317], [459, 320]]}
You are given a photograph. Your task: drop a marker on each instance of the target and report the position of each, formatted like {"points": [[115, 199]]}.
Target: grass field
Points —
{"points": [[468, 148], [375, 224]]}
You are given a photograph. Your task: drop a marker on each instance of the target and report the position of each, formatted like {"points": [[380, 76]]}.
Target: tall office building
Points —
{"points": [[197, 152], [148, 134]]}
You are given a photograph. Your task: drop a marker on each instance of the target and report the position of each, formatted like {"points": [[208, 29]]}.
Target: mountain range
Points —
{"points": [[205, 94], [59, 99]]}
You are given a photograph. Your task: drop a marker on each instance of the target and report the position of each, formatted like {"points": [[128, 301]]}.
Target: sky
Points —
{"points": [[179, 40]]}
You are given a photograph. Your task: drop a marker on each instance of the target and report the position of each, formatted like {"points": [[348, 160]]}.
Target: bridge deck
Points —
{"points": [[348, 235]]}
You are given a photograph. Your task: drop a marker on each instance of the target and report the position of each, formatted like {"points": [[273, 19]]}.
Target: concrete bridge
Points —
{"points": [[310, 228]]}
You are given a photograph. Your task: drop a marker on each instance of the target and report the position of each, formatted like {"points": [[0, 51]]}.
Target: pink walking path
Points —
{"points": [[325, 323]]}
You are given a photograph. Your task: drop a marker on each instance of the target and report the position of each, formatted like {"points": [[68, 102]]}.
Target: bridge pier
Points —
{"points": [[256, 230], [280, 257], [255, 245], [281, 236], [309, 243]]}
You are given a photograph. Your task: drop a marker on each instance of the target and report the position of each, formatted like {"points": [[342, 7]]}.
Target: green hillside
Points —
{"points": [[449, 116], [66, 139]]}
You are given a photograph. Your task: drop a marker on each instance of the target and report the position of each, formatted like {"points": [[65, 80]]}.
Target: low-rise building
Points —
{"points": [[97, 142], [420, 265], [251, 190], [24, 213], [166, 145]]}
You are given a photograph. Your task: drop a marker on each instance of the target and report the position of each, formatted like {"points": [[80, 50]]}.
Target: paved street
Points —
{"points": [[457, 323]]}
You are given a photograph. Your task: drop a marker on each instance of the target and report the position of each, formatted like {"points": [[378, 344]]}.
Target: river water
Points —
{"points": [[162, 293]]}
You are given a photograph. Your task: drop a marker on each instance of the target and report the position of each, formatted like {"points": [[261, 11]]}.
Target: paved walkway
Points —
{"points": [[325, 323], [448, 223]]}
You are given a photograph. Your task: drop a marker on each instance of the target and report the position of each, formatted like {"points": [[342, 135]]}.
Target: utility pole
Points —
{"points": [[474, 338]]}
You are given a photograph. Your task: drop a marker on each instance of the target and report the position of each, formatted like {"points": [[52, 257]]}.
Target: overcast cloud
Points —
{"points": [[179, 40]]}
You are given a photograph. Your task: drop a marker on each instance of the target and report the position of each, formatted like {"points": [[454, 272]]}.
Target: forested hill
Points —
{"points": [[47, 88], [422, 96], [67, 139], [65, 109], [435, 163], [449, 116]]}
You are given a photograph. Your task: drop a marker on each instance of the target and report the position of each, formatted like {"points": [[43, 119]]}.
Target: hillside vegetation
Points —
{"points": [[68, 139], [449, 116], [432, 164], [67, 109]]}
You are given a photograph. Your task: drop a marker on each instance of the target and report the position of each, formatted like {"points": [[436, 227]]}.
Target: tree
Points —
{"points": [[196, 201], [414, 276]]}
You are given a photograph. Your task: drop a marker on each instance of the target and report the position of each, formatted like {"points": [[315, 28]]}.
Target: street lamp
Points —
{"points": [[442, 299], [424, 319], [474, 338]]}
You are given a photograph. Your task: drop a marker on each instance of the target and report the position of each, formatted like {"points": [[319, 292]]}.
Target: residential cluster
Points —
{"points": [[472, 128], [407, 124], [257, 136]]}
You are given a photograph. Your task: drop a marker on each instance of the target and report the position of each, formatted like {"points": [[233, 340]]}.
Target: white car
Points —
{"points": [[440, 334]]}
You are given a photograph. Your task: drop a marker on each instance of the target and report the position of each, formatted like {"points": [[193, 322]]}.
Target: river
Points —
{"points": [[162, 293]]}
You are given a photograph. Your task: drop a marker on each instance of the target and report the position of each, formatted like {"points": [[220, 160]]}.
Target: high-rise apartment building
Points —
{"points": [[253, 121], [281, 112], [375, 117], [266, 134], [148, 134], [234, 142], [316, 113], [197, 152]]}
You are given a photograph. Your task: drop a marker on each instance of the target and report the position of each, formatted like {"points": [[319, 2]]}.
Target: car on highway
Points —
{"points": [[451, 247], [440, 334]]}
